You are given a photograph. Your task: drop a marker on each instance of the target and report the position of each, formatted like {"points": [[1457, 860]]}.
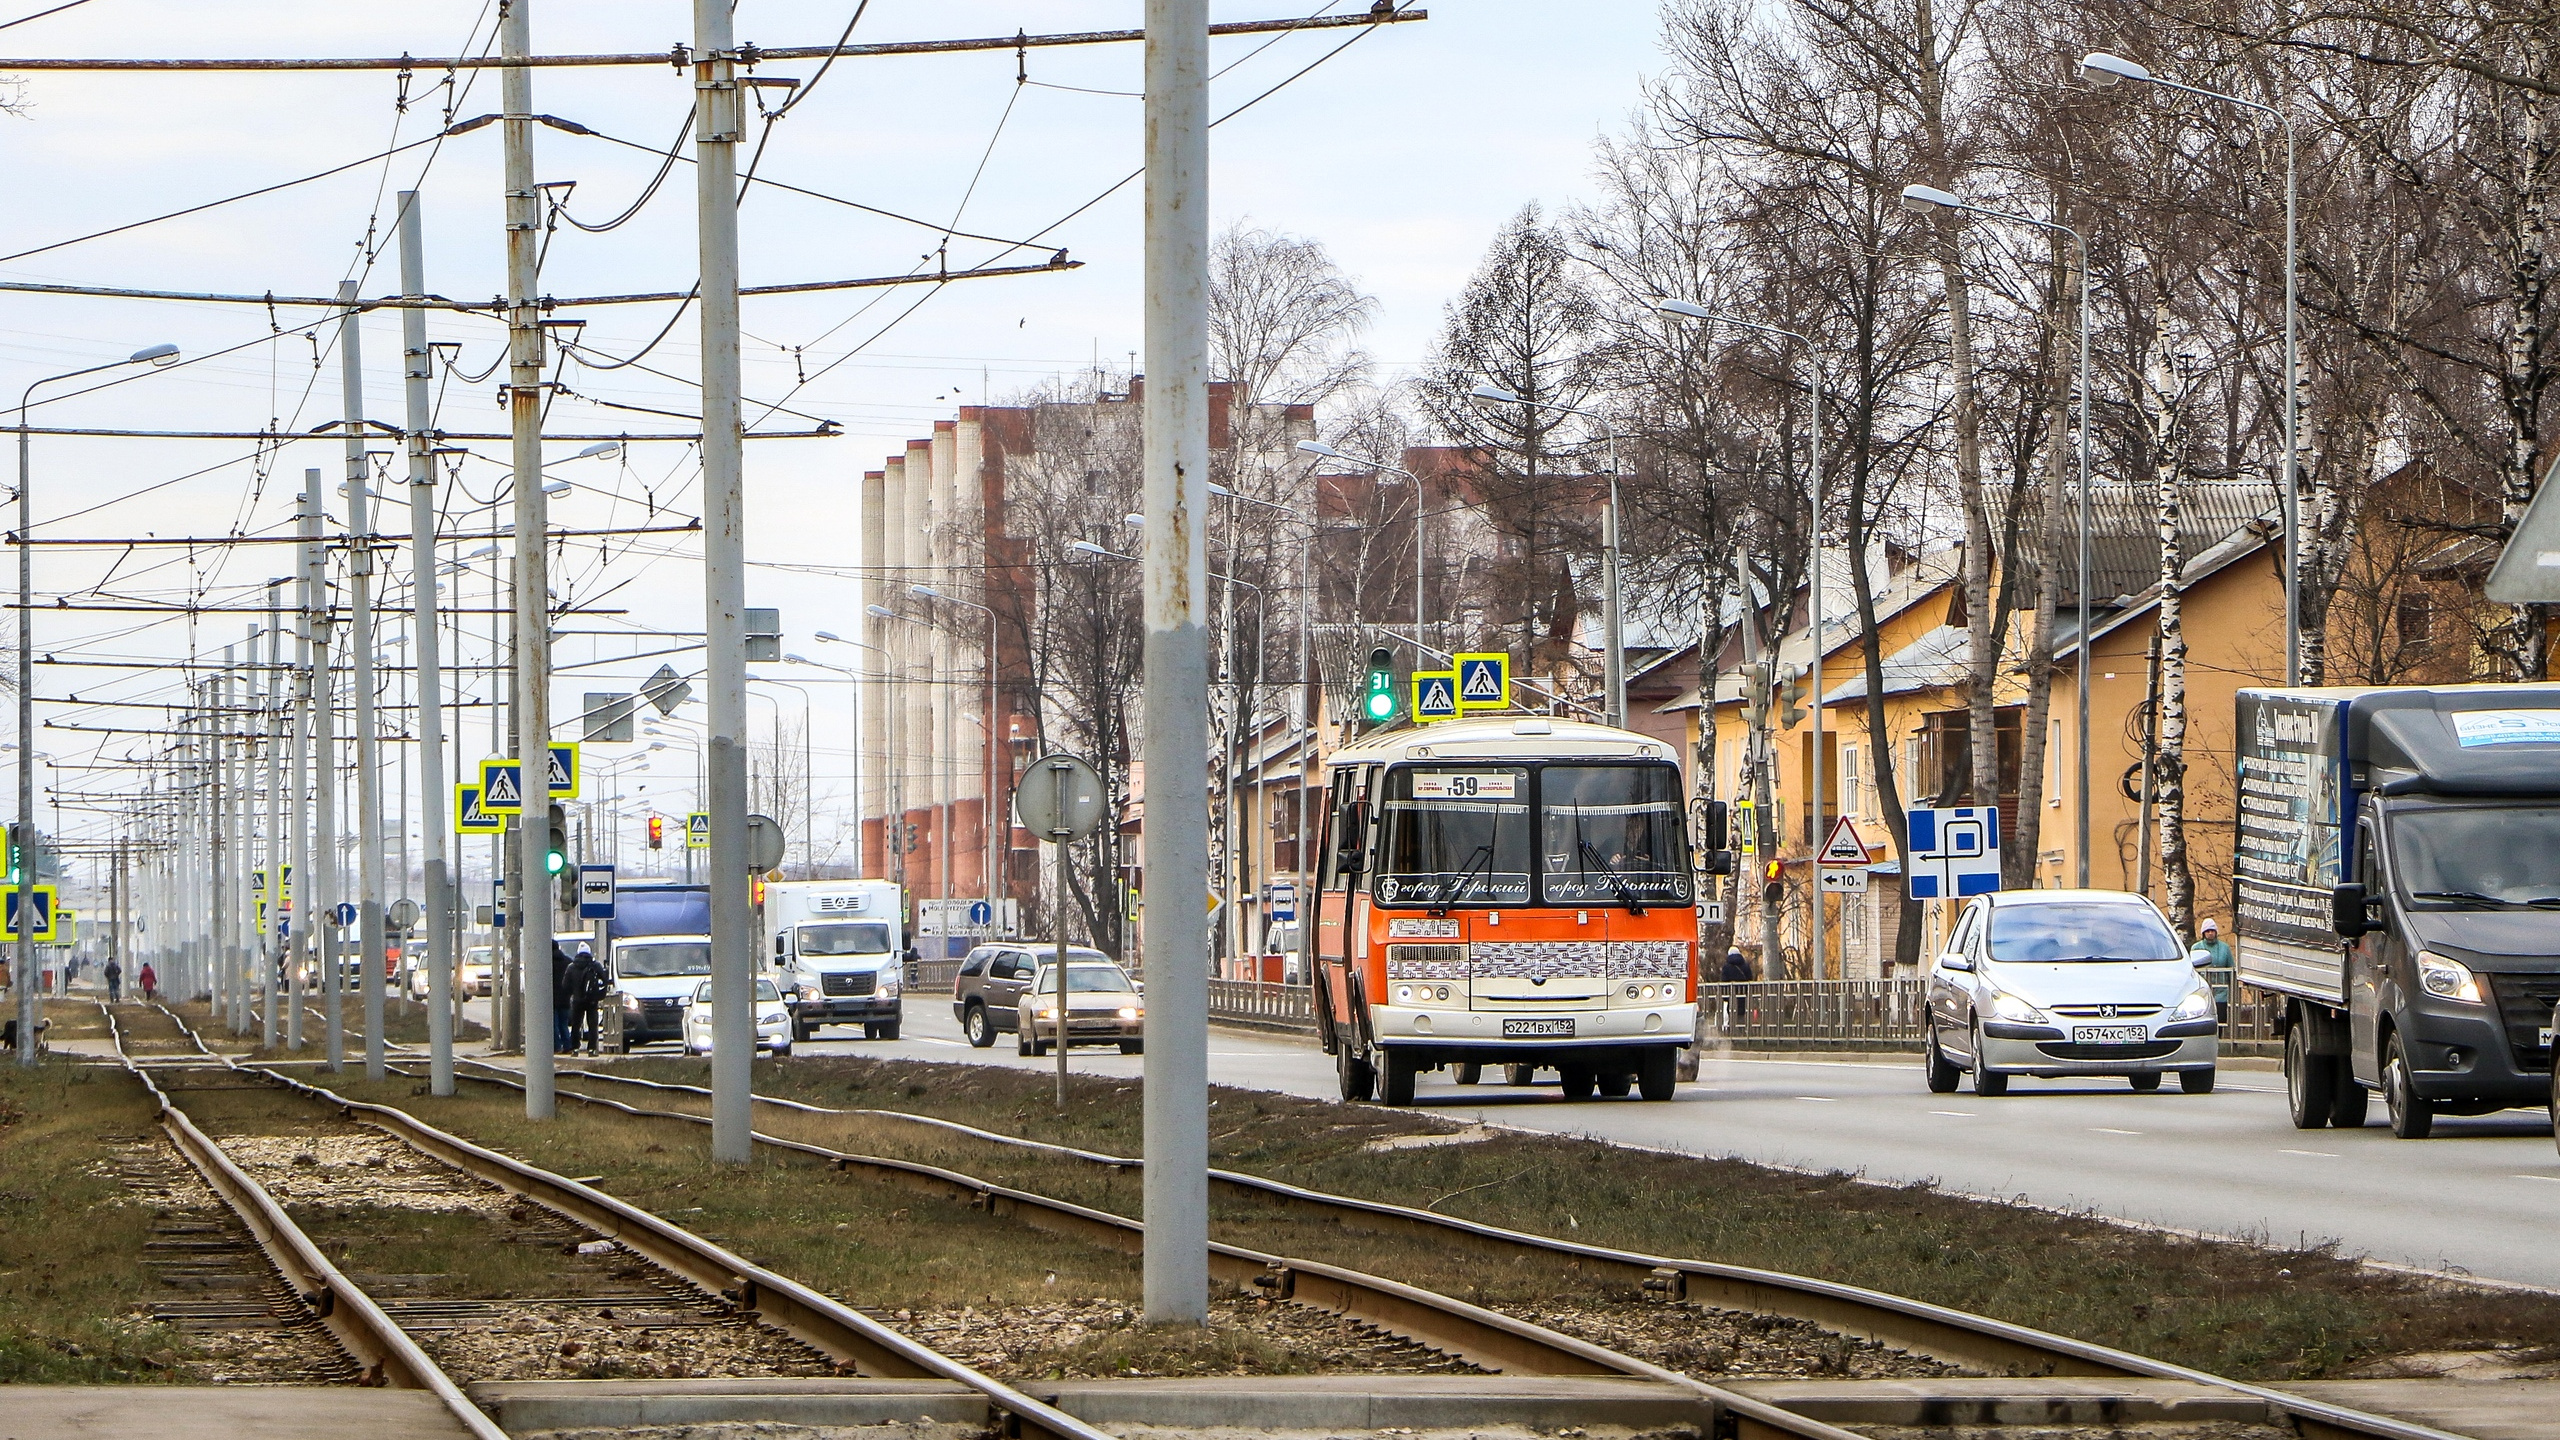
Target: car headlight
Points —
{"points": [[2010, 1007], [1128, 1012], [889, 985], [1048, 1012], [2197, 1006], [2447, 979]]}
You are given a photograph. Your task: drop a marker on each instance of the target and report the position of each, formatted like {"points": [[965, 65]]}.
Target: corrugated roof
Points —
{"points": [[2124, 531], [1940, 658]]}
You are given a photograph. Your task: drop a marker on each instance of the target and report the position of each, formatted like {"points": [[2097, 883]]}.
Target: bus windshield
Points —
{"points": [[1454, 835], [856, 937], [1611, 835]]}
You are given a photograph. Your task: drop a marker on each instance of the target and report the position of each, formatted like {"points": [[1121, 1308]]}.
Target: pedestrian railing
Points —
{"points": [[1255, 1002], [1814, 1014]]}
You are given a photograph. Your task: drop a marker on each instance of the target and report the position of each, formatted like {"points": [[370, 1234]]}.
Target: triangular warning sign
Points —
{"points": [[1844, 847], [501, 790]]}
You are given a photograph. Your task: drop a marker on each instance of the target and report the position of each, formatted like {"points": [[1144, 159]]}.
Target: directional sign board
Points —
{"points": [[1435, 695], [501, 787], [595, 892], [1484, 681], [1844, 847], [1954, 852], [697, 830], [468, 816], [45, 916], [564, 770], [1844, 880]]}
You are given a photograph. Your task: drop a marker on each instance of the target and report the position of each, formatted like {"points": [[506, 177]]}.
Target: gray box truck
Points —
{"points": [[2396, 890]]}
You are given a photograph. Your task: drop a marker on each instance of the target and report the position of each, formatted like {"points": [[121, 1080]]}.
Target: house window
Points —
{"points": [[2417, 619], [2053, 765], [1852, 795]]}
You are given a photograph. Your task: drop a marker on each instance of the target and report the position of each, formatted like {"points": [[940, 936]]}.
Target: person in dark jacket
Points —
{"points": [[587, 984], [563, 1000], [1737, 967], [114, 976]]}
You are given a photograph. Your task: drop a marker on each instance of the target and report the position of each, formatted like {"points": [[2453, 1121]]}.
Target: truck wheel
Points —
{"points": [[2412, 1115], [981, 1030], [887, 1030], [1579, 1081], [1468, 1072], [1353, 1072], [2196, 1082], [1658, 1073], [2310, 1081], [1528, 1075], [1615, 1084], [1395, 1079], [1942, 1072], [2346, 1112], [1133, 1047]]}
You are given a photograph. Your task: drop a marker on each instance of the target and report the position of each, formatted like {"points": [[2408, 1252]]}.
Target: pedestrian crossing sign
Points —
{"points": [[564, 769], [46, 913], [501, 787], [697, 830], [1484, 681], [1435, 695], [469, 817]]}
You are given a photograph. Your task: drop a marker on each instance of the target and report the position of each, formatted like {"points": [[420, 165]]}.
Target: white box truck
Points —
{"points": [[2396, 886], [836, 949]]}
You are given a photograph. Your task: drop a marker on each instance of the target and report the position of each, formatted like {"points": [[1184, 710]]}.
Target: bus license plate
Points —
{"points": [[1537, 1029], [2107, 1035]]}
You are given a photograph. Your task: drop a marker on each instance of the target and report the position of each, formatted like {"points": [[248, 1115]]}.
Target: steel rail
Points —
{"points": [[380, 1348], [1482, 1337], [828, 1326], [1955, 1336]]}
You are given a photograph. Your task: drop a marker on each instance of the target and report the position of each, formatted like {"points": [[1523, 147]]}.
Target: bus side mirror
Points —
{"points": [[1351, 837], [1719, 862], [1715, 826], [2347, 913]]}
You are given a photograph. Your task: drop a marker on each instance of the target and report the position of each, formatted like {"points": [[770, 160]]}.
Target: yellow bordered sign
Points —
{"points": [[469, 816], [1484, 681], [1435, 695]]}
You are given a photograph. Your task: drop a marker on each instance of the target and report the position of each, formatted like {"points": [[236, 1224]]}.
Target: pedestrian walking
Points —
{"points": [[114, 976], [563, 1002], [149, 981], [587, 984], [1737, 967]]}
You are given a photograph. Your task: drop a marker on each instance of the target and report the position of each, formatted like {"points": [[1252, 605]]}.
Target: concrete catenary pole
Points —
{"points": [[718, 122], [428, 652], [532, 911], [271, 950], [371, 951], [324, 772], [1175, 933], [297, 928]]}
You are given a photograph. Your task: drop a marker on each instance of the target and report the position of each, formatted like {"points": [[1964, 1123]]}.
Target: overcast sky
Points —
{"points": [[1402, 154]]}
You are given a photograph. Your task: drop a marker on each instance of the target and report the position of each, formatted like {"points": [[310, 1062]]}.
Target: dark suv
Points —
{"points": [[985, 995]]}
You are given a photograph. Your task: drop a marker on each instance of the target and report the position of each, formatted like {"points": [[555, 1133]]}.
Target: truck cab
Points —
{"points": [[2398, 891], [657, 949], [836, 948]]}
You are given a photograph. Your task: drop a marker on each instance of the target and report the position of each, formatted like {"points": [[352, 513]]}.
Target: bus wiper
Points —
{"points": [[2467, 897], [1616, 881], [1458, 887]]}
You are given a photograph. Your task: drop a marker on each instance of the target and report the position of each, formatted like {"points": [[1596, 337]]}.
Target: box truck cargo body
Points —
{"points": [[836, 948], [2396, 889], [657, 949]]}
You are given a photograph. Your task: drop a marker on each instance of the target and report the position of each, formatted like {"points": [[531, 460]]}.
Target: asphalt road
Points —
{"points": [[2480, 1197]]}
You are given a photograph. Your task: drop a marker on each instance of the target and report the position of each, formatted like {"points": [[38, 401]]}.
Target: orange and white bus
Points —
{"points": [[1511, 891]]}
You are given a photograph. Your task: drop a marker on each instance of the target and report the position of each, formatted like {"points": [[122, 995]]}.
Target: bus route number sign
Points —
{"points": [[1465, 785]]}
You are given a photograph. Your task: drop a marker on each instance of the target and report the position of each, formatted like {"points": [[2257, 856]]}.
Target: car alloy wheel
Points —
{"points": [[981, 1029], [1943, 1075], [1985, 1082]]}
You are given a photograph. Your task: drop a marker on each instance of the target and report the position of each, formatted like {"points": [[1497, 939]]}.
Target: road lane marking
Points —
{"points": [[2103, 1130], [2315, 1154], [2545, 1179], [1959, 1114], [1820, 1099]]}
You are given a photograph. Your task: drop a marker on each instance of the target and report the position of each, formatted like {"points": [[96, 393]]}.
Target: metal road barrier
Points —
{"points": [[1814, 1014], [1254, 1002]]}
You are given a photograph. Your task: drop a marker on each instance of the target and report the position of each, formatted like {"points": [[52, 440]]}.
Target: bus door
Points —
{"points": [[1341, 902]]}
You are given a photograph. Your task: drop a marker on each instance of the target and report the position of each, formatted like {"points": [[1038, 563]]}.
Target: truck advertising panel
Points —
{"points": [[2295, 806]]}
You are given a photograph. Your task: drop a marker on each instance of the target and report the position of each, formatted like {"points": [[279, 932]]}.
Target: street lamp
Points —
{"points": [[988, 808], [1929, 200], [1613, 667], [2102, 69], [1688, 310], [24, 975]]}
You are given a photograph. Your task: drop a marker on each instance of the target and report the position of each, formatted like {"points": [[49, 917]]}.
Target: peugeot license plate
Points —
{"points": [[1537, 1029], [2108, 1035]]}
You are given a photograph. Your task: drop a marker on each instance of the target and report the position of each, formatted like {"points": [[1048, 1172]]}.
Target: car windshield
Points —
{"points": [[1454, 836], [663, 958], [477, 955], [765, 991], [1084, 979], [2478, 857], [859, 937], [1611, 835], [2067, 931]]}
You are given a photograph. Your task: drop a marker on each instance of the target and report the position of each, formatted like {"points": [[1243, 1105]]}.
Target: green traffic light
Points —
{"points": [[1382, 706], [553, 862]]}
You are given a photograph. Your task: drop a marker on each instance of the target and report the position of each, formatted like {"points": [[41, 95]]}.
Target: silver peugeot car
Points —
{"points": [[2056, 983]]}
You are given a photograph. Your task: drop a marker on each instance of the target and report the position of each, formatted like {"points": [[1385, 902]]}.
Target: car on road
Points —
{"points": [[479, 964], [2067, 983], [986, 992], [1103, 1008], [421, 978], [773, 1020]]}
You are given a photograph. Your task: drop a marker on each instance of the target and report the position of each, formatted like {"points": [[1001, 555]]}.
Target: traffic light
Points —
{"points": [[1791, 695], [657, 832], [1380, 706], [15, 849], [555, 853]]}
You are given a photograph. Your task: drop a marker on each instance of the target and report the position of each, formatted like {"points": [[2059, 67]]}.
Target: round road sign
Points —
{"points": [[764, 843], [1058, 798], [404, 914]]}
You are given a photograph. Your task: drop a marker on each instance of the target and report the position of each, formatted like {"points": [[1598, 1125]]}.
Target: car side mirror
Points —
{"points": [[1955, 960], [2347, 913], [2200, 957]]}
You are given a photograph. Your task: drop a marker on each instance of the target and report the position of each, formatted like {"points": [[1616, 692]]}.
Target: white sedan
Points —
{"points": [[773, 1020]]}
